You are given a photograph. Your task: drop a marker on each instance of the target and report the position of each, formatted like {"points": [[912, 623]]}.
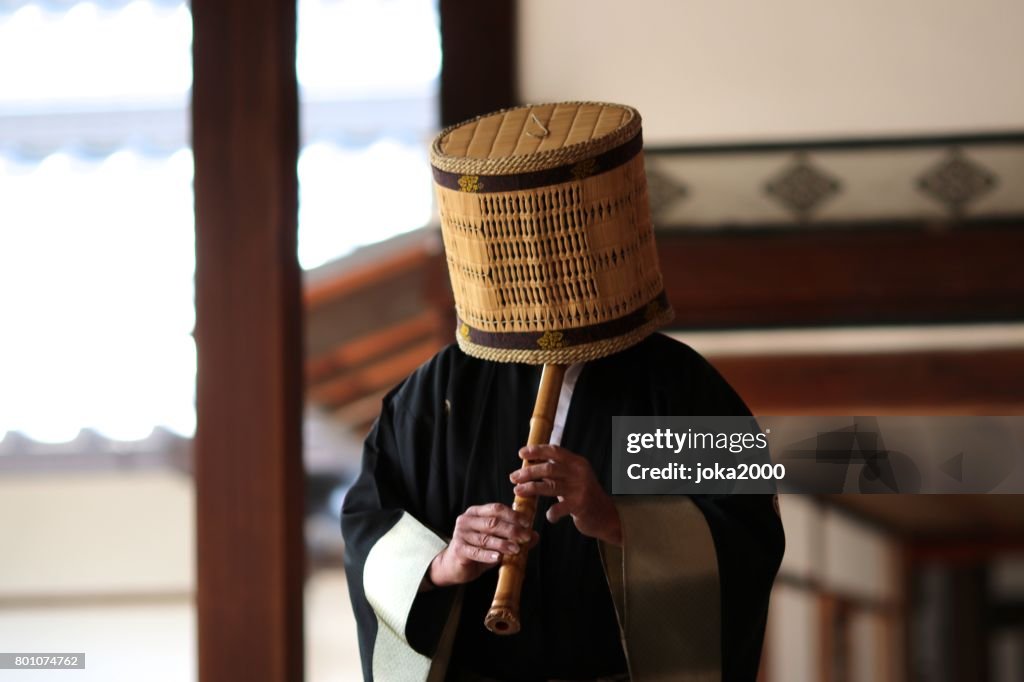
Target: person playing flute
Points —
{"points": [[550, 249]]}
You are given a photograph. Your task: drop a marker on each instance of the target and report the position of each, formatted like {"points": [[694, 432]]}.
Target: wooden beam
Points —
{"points": [[478, 67], [864, 275], [352, 312], [374, 377], [962, 549], [906, 515], [957, 524], [248, 464], [861, 275], [947, 382], [364, 277], [371, 346], [829, 609]]}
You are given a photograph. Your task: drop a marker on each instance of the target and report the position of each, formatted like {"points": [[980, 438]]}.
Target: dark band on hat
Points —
{"points": [[613, 158], [565, 338]]}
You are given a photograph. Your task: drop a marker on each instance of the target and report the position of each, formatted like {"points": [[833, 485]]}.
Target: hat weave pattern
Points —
{"points": [[547, 233]]}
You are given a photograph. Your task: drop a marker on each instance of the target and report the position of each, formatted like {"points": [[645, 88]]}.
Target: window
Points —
{"points": [[96, 224], [368, 75], [96, 208]]}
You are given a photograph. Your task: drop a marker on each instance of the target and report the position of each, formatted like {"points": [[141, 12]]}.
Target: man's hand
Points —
{"points": [[569, 477], [482, 535]]}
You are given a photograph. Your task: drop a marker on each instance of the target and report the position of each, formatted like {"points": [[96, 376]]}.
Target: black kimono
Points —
{"points": [[685, 597]]}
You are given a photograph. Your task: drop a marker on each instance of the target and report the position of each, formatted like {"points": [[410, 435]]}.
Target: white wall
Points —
{"points": [[858, 560], [794, 636], [867, 656], [801, 518], [727, 70], [828, 553], [844, 556], [96, 534]]}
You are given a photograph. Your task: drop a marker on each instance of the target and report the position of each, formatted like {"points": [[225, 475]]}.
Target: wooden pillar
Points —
{"points": [[478, 58], [248, 465]]}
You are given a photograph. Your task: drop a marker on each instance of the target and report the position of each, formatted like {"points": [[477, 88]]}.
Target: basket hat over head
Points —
{"points": [[547, 232]]}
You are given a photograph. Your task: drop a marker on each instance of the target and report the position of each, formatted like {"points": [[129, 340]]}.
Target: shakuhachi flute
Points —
{"points": [[503, 618]]}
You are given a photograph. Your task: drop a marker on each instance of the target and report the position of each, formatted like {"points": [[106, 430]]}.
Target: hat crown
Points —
{"points": [[547, 232], [532, 138]]}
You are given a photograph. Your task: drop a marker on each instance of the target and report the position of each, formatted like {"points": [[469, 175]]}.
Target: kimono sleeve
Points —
{"points": [[388, 549], [692, 579], [748, 540]]}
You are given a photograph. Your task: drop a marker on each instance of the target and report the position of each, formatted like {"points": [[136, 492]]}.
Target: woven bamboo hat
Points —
{"points": [[547, 231]]}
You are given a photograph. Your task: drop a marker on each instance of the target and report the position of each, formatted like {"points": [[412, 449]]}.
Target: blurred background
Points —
{"points": [[838, 192]]}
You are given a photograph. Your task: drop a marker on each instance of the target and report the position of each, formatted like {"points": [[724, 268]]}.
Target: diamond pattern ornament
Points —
{"points": [[802, 187], [956, 181], [662, 191]]}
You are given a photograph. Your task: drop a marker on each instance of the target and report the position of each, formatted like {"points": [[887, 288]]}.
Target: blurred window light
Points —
{"points": [[96, 271], [96, 206], [351, 197], [368, 48], [96, 219], [368, 74], [73, 56]]}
